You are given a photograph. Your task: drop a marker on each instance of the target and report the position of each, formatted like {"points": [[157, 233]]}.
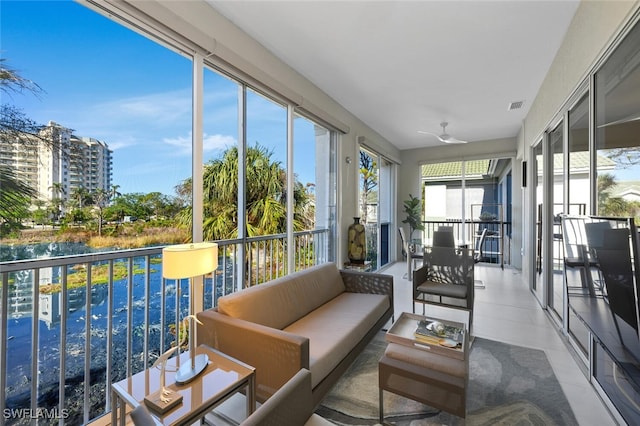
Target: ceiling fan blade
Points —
{"points": [[422, 132], [444, 138], [452, 140]]}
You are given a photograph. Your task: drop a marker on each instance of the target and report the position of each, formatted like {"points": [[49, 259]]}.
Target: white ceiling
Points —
{"points": [[404, 66]]}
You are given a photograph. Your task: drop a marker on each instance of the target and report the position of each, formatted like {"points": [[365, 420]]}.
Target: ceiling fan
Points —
{"points": [[444, 137]]}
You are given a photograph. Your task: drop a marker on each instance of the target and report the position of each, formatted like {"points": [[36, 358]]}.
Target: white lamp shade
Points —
{"points": [[189, 260]]}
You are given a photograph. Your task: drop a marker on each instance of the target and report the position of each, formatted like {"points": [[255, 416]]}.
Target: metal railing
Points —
{"points": [[72, 325], [496, 245]]}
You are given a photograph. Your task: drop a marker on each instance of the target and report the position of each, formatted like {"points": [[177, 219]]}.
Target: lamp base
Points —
{"points": [[162, 401], [186, 373]]}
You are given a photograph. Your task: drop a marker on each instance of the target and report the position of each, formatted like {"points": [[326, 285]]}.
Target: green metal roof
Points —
{"points": [[453, 170], [580, 161]]}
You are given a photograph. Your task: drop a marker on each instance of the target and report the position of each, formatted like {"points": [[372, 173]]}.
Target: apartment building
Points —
{"points": [[69, 160]]}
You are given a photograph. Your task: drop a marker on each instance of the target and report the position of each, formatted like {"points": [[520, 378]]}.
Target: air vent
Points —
{"points": [[515, 105]]}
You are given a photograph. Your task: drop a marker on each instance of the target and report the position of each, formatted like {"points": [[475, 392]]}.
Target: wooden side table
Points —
{"points": [[223, 377], [430, 373]]}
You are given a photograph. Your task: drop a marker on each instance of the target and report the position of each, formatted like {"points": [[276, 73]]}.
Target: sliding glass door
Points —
{"points": [[376, 195], [470, 196]]}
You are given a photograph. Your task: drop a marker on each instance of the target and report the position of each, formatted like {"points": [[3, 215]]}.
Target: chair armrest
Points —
{"points": [[368, 282], [420, 275], [275, 354], [292, 405]]}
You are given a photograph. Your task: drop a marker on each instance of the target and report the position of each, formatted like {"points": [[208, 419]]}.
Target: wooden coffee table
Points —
{"points": [[222, 378], [433, 373]]}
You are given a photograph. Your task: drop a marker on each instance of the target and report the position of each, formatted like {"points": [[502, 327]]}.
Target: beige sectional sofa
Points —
{"points": [[319, 319]]}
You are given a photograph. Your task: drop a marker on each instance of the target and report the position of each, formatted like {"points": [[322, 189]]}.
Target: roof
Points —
{"points": [[474, 169]]}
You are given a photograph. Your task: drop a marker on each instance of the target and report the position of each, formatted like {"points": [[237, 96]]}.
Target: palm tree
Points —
{"points": [[57, 203], [58, 189], [79, 194], [113, 192], [15, 197], [265, 194], [613, 206]]}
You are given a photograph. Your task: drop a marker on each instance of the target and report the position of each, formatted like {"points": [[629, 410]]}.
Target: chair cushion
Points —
{"points": [[283, 301], [442, 289]]}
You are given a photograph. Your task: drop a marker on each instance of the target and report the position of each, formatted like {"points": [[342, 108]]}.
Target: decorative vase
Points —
{"points": [[357, 250]]}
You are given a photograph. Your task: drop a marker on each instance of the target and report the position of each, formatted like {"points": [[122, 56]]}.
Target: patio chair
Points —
{"points": [[443, 238], [577, 253], [415, 256], [478, 254], [291, 405], [445, 279]]}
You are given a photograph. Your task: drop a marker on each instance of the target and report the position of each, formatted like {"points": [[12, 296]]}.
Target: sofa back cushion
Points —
{"points": [[284, 300]]}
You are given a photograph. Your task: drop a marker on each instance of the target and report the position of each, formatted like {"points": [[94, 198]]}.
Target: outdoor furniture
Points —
{"points": [[406, 250], [446, 279], [577, 253], [291, 405], [478, 254], [319, 318], [435, 374], [443, 239]]}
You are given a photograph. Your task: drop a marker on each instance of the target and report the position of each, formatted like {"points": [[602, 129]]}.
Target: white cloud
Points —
{"points": [[217, 142], [160, 108], [210, 143]]}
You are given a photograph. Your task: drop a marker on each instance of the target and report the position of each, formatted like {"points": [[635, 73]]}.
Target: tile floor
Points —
{"points": [[506, 311]]}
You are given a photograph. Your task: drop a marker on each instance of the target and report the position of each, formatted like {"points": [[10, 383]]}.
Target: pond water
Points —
{"points": [[73, 342]]}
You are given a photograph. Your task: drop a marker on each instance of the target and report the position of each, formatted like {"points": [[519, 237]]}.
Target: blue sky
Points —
{"points": [[107, 82]]}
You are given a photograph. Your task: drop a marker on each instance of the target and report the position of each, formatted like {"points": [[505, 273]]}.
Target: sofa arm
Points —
{"points": [[367, 282], [275, 354]]}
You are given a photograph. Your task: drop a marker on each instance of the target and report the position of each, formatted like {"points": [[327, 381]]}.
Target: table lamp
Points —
{"points": [[188, 261]]}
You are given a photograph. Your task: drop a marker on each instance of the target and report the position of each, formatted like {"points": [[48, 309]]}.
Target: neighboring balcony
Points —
{"points": [[72, 325]]}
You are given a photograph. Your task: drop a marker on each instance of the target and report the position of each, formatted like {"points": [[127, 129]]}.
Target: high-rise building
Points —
{"points": [[61, 165]]}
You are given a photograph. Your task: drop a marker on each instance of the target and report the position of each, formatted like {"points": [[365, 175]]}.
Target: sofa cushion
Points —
{"points": [[284, 300], [335, 327]]}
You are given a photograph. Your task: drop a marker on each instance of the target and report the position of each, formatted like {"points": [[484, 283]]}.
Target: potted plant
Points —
{"points": [[412, 208]]}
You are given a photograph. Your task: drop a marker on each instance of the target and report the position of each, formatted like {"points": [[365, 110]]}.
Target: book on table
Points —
{"points": [[437, 333]]}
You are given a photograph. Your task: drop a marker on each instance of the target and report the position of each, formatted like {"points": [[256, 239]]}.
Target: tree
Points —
{"points": [[14, 127], [15, 197], [265, 194], [613, 206], [368, 182], [100, 199], [80, 196]]}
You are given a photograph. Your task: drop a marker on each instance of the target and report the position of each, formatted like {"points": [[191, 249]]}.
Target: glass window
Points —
{"points": [[315, 192], [537, 202], [468, 196], [555, 296], [617, 85], [368, 197], [579, 201], [579, 157]]}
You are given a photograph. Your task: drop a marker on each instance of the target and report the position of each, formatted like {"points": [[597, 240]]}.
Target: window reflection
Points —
{"points": [[617, 131]]}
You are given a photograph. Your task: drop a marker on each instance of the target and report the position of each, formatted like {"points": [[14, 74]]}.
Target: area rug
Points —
{"points": [[508, 385]]}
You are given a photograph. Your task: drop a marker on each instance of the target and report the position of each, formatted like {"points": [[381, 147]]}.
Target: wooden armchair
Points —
{"points": [[446, 279]]}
